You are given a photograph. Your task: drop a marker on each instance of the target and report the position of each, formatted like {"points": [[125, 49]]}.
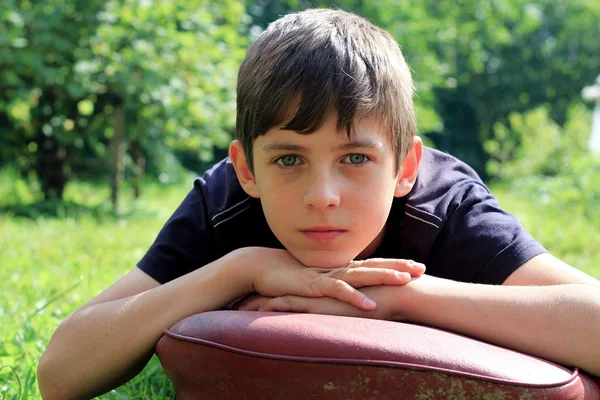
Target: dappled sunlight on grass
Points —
{"points": [[51, 266]]}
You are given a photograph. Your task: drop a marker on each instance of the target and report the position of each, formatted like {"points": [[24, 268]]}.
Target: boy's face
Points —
{"points": [[326, 198]]}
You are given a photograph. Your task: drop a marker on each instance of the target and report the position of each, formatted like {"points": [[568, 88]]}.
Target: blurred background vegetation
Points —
{"points": [[119, 90], [108, 108]]}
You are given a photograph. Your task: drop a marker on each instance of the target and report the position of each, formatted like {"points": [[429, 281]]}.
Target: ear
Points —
{"points": [[410, 167], [242, 170]]}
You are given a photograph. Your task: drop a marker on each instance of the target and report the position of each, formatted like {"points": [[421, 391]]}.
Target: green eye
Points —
{"points": [[288, 161], [356, 159]]}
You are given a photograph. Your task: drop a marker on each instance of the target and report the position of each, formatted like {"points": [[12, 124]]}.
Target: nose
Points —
{"points": [[322, 191]]}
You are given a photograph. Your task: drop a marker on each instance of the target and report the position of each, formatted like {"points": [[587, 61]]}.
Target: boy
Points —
{"points": [[327, 190]]}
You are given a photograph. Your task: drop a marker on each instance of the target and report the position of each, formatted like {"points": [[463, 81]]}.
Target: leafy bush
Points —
{"points": [[547, 163]]}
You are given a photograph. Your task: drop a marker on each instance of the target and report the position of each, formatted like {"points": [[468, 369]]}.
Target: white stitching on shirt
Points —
{"points": [[425, 212], [230, 208], [228, 218], [421, 219]]}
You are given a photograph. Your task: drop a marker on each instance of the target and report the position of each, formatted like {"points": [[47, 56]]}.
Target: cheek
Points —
{"points": [[276, 187], [372, 192], [278, 202], [374, 203]]}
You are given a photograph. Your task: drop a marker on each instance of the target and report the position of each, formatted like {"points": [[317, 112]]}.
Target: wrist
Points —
{"points": [[222, 281], [241, 266], [423, 298]]}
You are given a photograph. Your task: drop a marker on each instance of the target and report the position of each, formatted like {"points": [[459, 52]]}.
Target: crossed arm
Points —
{"points": [[546, 308], [110, 339]]}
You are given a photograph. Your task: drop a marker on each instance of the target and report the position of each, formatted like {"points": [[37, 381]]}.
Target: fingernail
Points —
{"points": [[403, 275], [370, 303]]}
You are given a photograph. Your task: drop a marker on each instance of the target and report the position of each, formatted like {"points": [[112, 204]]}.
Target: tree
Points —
{"points": [[38, 102], [149, 75]]}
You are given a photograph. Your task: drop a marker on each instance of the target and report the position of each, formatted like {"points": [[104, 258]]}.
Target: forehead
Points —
{"points": [[366, 133]]}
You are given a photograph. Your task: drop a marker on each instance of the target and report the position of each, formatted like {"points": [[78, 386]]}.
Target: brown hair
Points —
{"points": [[308, 64]]}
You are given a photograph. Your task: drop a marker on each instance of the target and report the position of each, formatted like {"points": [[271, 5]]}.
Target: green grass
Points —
{"points": [[50, 266], [563, 230], [55, 257]]}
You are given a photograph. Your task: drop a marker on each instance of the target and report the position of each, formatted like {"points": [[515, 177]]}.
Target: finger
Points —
{"points": [[320, 305], [288, 304], [338, 289], [398, 264], [252, 303], [363, 276]]}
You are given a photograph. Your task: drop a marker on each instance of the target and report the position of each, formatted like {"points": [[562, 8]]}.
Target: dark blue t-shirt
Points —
{"points": [[449, 221]]}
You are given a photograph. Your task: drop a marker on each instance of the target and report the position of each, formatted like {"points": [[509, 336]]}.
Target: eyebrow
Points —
{"points": [[355, 144]]}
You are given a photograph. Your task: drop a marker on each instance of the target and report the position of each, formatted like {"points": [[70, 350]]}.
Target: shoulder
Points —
{"points": [[443, 183], [223, 194], [210, 222], [231, 212], [456, 225]]}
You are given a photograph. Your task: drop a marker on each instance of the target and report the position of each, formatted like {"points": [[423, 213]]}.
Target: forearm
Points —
{"points": [[102, 346], [559, 323]]}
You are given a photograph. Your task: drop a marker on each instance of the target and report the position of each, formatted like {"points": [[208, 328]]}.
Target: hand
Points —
{"points": [[386, 297], [275, 273]]}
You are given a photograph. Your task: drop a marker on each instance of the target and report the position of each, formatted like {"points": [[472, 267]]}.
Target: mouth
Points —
{"points": [[323, 234]]}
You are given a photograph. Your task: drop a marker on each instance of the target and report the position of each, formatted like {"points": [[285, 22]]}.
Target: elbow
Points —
{"points": [[49, 379], [48, 386]]}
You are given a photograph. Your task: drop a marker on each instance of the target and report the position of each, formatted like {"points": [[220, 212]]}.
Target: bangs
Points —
{"points": [[329, 81]]}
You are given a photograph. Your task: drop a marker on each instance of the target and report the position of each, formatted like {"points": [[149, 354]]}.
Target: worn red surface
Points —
{"points": [[250, 355]]}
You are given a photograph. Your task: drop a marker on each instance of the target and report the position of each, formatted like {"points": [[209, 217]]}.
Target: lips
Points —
{"points": [[323, 234]]}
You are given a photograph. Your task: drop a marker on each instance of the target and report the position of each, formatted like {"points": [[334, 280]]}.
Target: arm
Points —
{"points": [[546, 308], [559, 321], [110, 339]]}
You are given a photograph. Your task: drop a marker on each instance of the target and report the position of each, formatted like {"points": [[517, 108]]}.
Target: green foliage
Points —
{"points": [[66, 65], [548, 164], [574, 190], [174, 64], [563, 227], [533, 144]]}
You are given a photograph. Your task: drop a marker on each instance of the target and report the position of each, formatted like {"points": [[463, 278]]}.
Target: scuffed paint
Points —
{"points": [[456, 388], [526, 396]]}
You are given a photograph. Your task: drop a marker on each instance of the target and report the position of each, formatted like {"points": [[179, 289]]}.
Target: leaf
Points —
{"points": [[85, 107]]}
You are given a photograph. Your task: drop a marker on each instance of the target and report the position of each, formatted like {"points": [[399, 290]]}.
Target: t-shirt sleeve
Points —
{"points": [[184, 243], [479, 242]]}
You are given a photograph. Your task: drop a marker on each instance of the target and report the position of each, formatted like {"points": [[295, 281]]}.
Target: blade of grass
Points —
{"points": [[56, 298]]}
